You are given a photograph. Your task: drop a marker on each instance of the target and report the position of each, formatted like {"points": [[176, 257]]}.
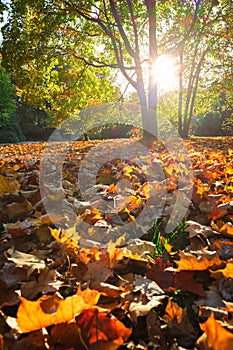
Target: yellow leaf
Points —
{"points": [[67, 240], [217, 335], [227, 229], [226, 272], [51, 310], [8, 185]]}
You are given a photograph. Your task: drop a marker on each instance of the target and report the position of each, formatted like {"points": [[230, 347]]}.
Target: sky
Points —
{"points": [[3, 23]]}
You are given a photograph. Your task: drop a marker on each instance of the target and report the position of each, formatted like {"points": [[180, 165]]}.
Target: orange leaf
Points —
{"points": [[202, 261], [112, 188], [218, 336], [50, 310], [173, 312], [99, 330], [67, 240]]}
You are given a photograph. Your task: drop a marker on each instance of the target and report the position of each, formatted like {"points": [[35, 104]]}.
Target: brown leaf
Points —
{"points": [[67, 335], [45, 284], [19, 228], [7, 296], [16, 211], [171, 280]]}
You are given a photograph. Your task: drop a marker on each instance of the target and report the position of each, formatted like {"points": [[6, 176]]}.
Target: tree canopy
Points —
{"points": [[92, 37], [7, 100]]}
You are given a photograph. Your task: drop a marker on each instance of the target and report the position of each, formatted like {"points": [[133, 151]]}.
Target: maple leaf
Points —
{"points": [[218, 336], [50, 310], [201, 260], [170, 280], [100, 330]]}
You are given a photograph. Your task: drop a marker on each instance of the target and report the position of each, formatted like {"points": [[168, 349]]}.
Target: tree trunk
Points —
{"points": [[180, 103], [151, 123], [194, 92]]}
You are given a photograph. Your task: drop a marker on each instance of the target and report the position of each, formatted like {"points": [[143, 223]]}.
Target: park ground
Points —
{"points": [[62, 287]]}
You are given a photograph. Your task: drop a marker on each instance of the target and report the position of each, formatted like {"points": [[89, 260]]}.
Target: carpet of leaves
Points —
{"points": [[61, 289]]}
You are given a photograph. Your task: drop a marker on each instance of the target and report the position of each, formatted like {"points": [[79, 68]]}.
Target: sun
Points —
{"points": [[165, 73]]}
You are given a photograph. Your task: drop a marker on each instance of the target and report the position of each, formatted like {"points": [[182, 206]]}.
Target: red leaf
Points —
{"points": [[101, 328]]}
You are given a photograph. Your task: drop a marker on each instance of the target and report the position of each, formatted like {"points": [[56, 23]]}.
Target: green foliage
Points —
{"points": [[47, 71], [178, 238], [64, 52], [11, 132], [7, 97]]}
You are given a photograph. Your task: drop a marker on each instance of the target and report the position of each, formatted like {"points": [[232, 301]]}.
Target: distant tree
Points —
{"points": [[124, 35], [7, 97]]}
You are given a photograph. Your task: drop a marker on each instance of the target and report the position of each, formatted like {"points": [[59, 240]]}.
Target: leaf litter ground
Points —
{"points": [[71, 289]]}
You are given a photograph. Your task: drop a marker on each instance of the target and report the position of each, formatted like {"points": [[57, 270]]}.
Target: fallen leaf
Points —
{"points": [[19, 228], [201, 260], [51, 310], [100, 330], [173, 312], [171, 280], [143, 307], [67, 335], [227, 229], [8, 185], [46, 283], [67, 240], [22, 259], [218, 336], [16, 211], [226, 272]]}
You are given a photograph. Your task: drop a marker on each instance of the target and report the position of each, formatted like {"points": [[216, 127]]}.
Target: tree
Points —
{"points": [[46, 76], [7, 100], [196, 55], [125, 35]]}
